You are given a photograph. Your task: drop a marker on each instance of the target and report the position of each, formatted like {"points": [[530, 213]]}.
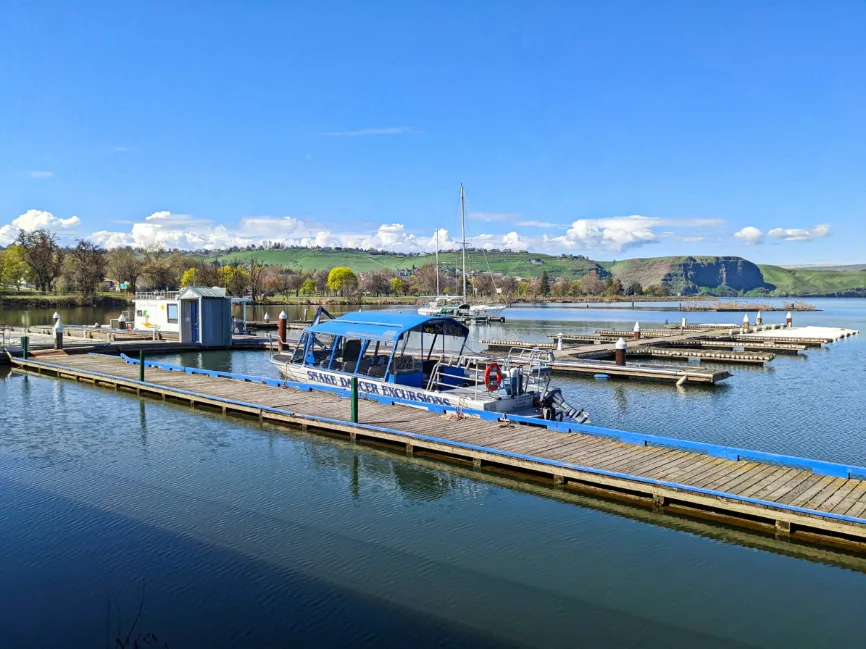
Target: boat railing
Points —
{"points": [[472, 372]]}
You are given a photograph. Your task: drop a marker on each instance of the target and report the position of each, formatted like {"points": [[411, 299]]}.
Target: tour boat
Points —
{"points": [[422, 359]]}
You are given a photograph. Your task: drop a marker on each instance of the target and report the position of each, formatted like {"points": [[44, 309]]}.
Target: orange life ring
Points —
{"points": [[493, 377]]}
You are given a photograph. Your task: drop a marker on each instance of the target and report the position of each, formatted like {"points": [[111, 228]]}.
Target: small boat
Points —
{"points": [[422, 359]]}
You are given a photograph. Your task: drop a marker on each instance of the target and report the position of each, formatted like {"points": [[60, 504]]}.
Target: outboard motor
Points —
{"points": [[554, 406]]}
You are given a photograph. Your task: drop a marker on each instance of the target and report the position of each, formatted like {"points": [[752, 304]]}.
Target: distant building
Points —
{"points": [[535, 261]]}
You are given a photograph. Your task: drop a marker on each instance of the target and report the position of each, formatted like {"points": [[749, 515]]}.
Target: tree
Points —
{"points": [[124, 266], [320, 277], [544, 285], [43, 255], [157, 268], [284, 282], [634, 289], [271, 283], [189, 277], [342, 280], [425, 277], [509, 287], [256, 274], [592, 284], [377, 282], [236, 279], [14, 269], [88, 266], [398, 286], [484, 284], [614, 287], [560, 287], [296, 282], [308, 286]]}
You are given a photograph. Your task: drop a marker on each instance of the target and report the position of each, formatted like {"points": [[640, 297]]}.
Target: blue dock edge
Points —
{"points": [[821, 467]]}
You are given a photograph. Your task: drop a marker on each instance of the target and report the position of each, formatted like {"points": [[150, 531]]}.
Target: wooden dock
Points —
{"points": [[790, 497]]}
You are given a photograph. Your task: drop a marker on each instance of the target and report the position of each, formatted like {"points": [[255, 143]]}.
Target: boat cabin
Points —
{"points": [[398, 348]]}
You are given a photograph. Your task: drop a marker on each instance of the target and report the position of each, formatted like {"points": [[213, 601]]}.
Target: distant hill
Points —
{"points": [[810, 281], [361, 261], [849, 267], [686, 275]]}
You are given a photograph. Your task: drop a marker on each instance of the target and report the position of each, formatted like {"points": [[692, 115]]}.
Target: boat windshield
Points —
{"points": [[408, 359]]}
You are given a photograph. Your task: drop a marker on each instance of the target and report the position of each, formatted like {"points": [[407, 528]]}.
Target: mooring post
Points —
{"points": [[559, 342], [141, 365], [24, 341], [619, 352], [354, 399], [789, 320], [759, 320], [58, 331], [637, 330], [745, 323], [281, 330]]}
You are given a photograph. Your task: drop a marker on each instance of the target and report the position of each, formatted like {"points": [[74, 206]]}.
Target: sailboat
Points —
{"points": [[458, 306]]}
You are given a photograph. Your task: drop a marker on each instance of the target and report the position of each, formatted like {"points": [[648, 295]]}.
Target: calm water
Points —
{"points": [[250, 536]]}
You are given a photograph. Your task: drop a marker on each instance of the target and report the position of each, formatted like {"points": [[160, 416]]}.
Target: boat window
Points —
{"points": [[171, 313]]}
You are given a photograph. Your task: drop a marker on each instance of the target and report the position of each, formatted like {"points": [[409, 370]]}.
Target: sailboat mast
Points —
{"points": [[437, 262], [463, 231]]}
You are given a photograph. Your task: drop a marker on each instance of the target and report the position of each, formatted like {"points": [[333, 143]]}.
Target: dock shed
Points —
{"points": [[206, 316]]}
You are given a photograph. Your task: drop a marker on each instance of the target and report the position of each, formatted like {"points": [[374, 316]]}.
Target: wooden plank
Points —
{"points": [[737, 475], [838, 496], [800, 478], [770, 483], [829, 489], [756, 477], [702, 472], [806, 494]]}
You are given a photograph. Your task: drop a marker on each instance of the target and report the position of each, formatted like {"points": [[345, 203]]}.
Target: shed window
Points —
{"points": [[139, 313], [171, 313]]}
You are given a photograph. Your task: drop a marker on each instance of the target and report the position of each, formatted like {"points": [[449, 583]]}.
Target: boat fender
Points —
{"points": [[493, 377]]}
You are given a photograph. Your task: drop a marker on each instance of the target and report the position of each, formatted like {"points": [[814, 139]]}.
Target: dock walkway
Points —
{"points": [[815, 500]]}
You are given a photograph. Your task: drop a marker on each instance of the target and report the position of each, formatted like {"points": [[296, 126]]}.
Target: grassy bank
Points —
{"points": [[39, 301]]}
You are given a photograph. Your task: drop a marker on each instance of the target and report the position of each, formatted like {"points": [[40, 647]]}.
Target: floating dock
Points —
{"points": [[790, 497]]}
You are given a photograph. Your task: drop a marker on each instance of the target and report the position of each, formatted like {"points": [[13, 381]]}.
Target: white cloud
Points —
{"points": [[33, 220], [513, 241], [38, 175], [538, 224], [391, 130], [750, 235], [617, 233], [797, 234]]}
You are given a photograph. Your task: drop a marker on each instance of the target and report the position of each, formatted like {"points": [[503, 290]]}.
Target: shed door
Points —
{"points": [[193, 313]]}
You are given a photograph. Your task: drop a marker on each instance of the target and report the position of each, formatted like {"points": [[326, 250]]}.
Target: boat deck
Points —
{"points": [[817, 500]]}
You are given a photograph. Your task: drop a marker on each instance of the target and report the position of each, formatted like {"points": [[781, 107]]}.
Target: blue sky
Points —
{"points": [[615, 129]]}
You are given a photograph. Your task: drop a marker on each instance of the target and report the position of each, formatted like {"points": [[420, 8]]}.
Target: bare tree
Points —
{"points": [[509, 287], [320, 277], [124, 266], [484, 284], [87, 266], [256, 271], [592, 284], [43, 255]]}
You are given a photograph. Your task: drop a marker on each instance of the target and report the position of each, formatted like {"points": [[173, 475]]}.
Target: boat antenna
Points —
{"points": [[463, 231], [437, 262]]}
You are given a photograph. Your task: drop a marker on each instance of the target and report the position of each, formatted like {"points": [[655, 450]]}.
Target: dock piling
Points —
{"points": [[24, 341], [619, 353], [141, 366], [354, 400], [789, 320], [281, 330], [637, 330]]}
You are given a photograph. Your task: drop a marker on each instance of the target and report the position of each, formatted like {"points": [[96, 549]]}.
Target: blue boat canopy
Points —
{"points": [[387, 327]]}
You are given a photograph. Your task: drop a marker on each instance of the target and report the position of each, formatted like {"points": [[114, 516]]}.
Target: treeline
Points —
{"points": [[36, 259]]}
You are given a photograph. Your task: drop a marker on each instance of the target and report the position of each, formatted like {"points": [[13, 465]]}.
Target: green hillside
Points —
{"points": [[807, 281], [510, 263], [686, 275]]}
